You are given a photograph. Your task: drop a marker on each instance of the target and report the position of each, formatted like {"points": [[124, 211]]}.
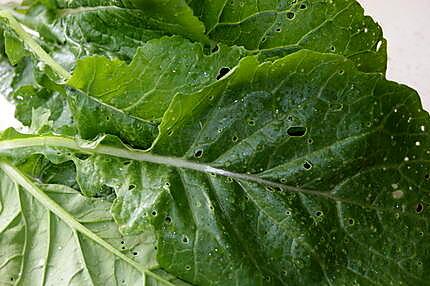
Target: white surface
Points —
{"points": [[405, 25]]}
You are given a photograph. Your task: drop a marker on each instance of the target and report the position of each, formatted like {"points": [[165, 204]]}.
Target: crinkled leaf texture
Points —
{"points": [[278, 28], [318, 176], [119, 27], [129, 100], [52, 235]]}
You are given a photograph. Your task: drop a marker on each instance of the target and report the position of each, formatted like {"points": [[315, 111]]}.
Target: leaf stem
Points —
{"points": [[33, 45], [19, 178], [89, 147]]}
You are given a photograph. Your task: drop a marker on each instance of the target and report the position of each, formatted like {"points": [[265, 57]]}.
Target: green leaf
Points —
{"points": [[56, 236], [278, 28], [14, 49], [287, 181], [116, 27], [28, 99], [129, 100]]}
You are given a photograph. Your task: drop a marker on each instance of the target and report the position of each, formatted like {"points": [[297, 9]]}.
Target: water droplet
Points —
{"points": [[397, 194]]}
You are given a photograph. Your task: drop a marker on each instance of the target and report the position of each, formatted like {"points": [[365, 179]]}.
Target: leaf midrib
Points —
{"points": [[87, 147], [20, 179]]}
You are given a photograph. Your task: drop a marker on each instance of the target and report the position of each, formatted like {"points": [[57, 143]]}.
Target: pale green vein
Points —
{"points": [[20, 179], [32, 45], [139, 155]]}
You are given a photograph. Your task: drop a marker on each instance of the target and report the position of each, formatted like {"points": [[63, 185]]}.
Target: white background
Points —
{"points": [[406, 25]]}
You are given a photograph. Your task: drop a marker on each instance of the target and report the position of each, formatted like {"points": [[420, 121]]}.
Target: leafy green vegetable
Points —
{"points": [[56, 236], [116, 95], [208, 143], [278, 28]]}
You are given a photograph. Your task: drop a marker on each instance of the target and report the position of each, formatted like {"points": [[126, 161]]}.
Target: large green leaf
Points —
{"points": [[129, 100], [277, 28], [55, 236], [316, 177], [119, 27]]}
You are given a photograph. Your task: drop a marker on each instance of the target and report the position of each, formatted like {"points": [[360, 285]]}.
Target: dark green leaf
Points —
{"points": [[129, 100], [278, 28], [287, 181]]}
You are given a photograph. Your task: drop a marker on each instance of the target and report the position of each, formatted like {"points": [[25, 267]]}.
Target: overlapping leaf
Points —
{"points": [[278, 28], [296, 170], [54, 235], [129, 100], [246, 182]]}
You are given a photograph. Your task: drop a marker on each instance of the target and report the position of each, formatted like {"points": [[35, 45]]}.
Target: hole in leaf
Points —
{"points": [[419, 208], [188, 268], [198, 153], [290, 15], [318, 213], [222, 72], [170, 133], [341, 72], [296, 131], [270, 189], [131, 187], [215, 49], [107, 118], [307, 165], [351, 221], [310, 141], [303, 6], [234, 139], [427, 176], [185, 239], [168, 219], [251, 122], [278, 30], [126, 163], [135, 253], [284, 272], [154, 213], [122, 242]]}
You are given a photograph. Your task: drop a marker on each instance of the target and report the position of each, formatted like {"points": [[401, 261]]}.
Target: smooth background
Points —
{"points": [[406, 25]]}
